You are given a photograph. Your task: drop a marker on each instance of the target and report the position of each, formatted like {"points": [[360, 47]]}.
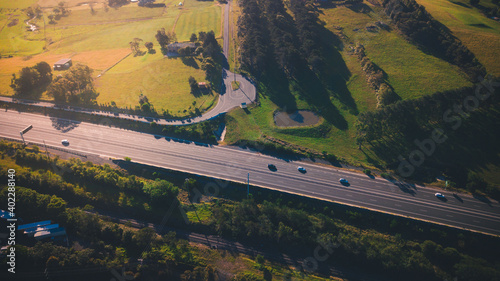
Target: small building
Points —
{"points": [[33, 231], [203, 86], [63, 64], [33, 225], [174, 47], [50, 233]]}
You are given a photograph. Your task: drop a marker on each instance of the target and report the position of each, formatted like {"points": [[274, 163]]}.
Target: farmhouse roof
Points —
{"points": [[182, 44], [62, 61]]}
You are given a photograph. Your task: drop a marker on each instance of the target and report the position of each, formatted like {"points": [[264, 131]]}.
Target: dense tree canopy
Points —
{"points": [[76, 85], [31, 78]]}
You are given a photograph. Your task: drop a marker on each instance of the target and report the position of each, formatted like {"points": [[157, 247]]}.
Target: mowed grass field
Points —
{"points": [[163, 80], [480, 34], [101, 39]]}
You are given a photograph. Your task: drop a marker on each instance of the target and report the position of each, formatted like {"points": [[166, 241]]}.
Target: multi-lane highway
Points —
{"points": [[462, 211]]}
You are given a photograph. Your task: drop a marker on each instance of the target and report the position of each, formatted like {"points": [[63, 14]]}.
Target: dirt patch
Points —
{"points": [[297, 119], [13, 22]]}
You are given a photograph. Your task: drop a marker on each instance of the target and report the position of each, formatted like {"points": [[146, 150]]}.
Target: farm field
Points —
{"points": [[477, 32], [101, 40]]}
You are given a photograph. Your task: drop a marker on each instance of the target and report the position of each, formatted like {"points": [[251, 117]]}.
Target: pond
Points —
{"points": [[296, 119]]}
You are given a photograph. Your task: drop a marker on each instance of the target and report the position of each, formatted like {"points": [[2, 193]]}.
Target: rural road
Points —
{"points": [[321, 182], [228, 98]]}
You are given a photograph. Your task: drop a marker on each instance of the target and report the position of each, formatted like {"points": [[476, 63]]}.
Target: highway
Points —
{"points": [[232, 164]]}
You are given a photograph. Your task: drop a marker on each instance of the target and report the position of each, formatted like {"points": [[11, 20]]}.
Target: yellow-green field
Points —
{"points": [[101, 39], [163, 80], [410, 71], [478, 33]]}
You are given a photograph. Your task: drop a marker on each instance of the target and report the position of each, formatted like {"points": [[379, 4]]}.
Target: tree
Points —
{"points": [[134, 46], [186, 51], [149, 46], [210, 45], [193, 84], [29, 78], [143, 3], [202, 35], [51, 18], [117, 3], [172, 37], [162, 38], [61, 5], [475, 182], [193, 37], [143, 99], [76, 85], [45, 72], [161, 192], [191, 185]]}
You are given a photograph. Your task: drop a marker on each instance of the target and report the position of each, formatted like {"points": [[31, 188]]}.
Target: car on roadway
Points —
{"points": [[272, 167], [439, 195], [301, 169], [65, 142], [343, 181]]}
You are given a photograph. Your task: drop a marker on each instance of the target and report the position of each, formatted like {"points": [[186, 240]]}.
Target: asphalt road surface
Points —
{"points": [[461, 211]]}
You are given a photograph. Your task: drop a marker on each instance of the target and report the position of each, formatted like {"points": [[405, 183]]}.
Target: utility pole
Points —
{"points": [[46, 151]]}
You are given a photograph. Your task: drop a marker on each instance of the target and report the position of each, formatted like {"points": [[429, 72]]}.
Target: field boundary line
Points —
{"points": [[120, 60]]}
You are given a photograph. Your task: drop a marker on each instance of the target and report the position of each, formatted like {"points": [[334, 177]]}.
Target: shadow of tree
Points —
{"points": [[63, 125], [334, 73], [190, 61], [360, 8]]}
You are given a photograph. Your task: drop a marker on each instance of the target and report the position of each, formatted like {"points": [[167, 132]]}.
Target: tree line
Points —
{"points": [[423, 30], [269, 34], [392, 255], [84, 183], [375, 78], [464, 118]]}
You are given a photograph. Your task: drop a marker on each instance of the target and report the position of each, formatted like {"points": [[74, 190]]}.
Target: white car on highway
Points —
{"points": [[439, 195]]}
